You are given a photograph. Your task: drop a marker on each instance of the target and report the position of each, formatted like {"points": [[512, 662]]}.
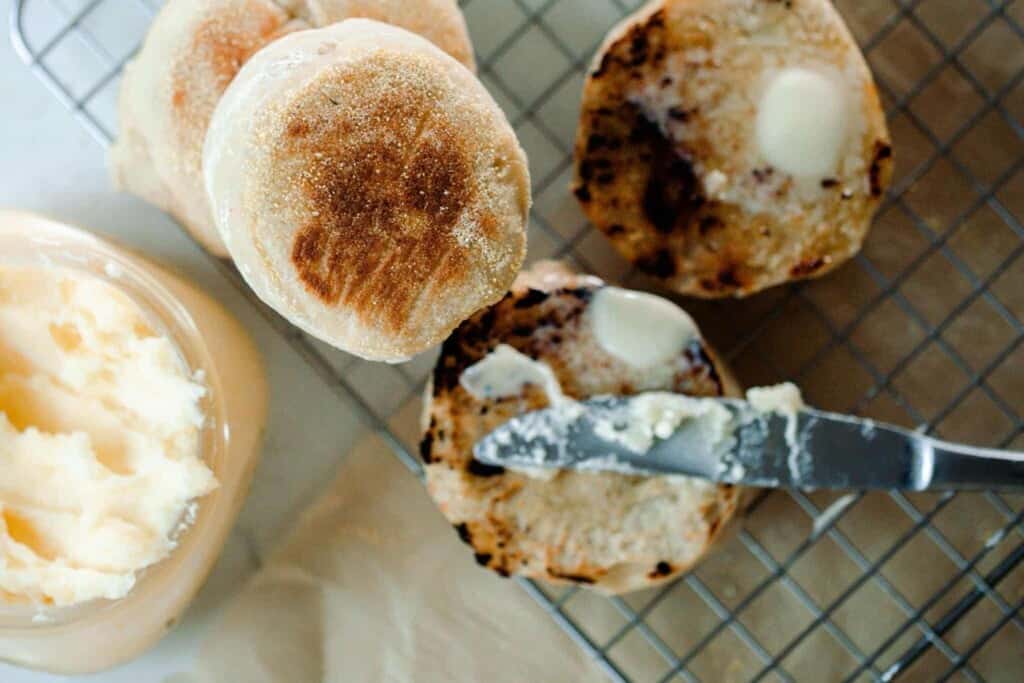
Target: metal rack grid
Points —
{"points": [[924, 327]]}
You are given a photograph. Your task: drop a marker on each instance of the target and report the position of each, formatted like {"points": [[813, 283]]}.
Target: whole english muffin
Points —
{"points": [[192, 52], [367, 187], [729, 145], [612, 532]]}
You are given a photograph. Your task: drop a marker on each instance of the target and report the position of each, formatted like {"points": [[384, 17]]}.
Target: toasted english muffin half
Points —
{"points": [[608, 531], [367, 187], [726, 146], [191, 54]]}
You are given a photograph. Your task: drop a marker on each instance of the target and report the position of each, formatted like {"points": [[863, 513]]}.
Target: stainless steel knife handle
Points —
{"points": [[842, 451], [956, 466]]}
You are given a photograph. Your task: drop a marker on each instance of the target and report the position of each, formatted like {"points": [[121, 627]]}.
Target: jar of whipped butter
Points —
{"points": [[132, 408]]}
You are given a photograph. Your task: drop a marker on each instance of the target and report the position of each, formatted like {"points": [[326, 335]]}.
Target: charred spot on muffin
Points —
{"points": [[660, 264], [883, 151], [808, 266], [660, 570]]}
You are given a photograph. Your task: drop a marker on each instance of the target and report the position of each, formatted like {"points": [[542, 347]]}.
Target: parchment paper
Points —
{"points": [[374, 585]]}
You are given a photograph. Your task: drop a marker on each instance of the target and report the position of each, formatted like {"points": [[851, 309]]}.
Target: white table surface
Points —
{"points": [[50, 164]]}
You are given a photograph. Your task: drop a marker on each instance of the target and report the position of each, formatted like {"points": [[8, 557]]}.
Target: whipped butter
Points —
{"points": [[657, 415], [784, 399], [133, 408], [99, 438]]}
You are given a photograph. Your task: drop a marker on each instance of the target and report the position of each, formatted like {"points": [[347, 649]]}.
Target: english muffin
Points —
{"points": [[726, 146], [608, 531], [192, 52], [367, 187]]}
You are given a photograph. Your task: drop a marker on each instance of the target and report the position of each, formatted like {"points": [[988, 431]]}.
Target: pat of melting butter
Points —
{"points": [[640, 329], [505, 372], [100, 449], [802, 122]]}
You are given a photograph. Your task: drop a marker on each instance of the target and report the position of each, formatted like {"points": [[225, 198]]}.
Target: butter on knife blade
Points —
{"points": [[768, 440]]}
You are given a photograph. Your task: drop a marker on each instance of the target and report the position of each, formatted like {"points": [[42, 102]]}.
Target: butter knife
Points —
{"points": [[806, 449]]}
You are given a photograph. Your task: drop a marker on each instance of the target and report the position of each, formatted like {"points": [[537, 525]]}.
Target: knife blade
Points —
{"points": [[807, 449]]}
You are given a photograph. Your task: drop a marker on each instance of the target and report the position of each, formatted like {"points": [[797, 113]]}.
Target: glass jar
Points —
{"points": [[102, 633]]}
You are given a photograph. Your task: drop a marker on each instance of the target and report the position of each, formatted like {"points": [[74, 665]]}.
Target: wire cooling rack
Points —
{"points": [[923, 328]]}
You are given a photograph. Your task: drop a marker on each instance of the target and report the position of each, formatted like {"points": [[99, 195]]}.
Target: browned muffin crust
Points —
{"points": [[641, 174], [403, 198], [376, 195], [193, 50], [577, 527]]}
